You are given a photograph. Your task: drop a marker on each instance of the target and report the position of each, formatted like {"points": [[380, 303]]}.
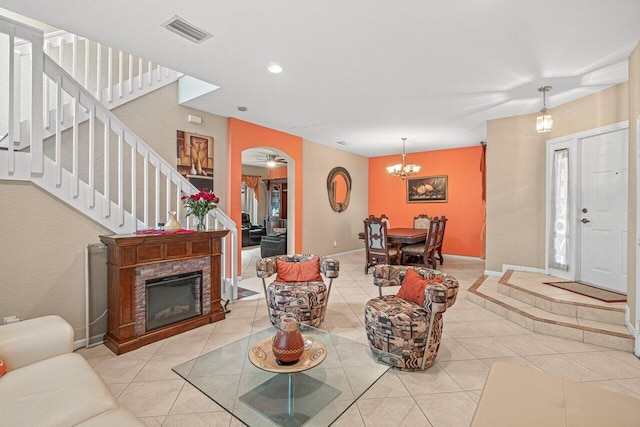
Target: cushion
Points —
{"points": [[3, 368], [304, 271], [413, 285], [60, 391]]}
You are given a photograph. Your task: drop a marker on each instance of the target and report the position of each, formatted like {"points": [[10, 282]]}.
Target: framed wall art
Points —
{"points": [[195, 159], [427, 189]]}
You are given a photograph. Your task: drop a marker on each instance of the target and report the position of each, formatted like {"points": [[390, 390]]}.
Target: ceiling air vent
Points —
{"points": [[186, 30]]}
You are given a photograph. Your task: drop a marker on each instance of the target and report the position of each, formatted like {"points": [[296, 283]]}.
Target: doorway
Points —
{"points": [[587, 178]]}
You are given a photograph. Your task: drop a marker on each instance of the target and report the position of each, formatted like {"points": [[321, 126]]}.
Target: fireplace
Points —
{"points": [[152, 293], [172, 299]]}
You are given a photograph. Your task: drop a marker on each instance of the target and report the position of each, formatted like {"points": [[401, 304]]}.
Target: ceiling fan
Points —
{"points": [[272, 160]]}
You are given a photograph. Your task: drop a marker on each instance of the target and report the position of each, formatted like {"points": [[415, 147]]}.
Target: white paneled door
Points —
{"points": [[602, 219]]}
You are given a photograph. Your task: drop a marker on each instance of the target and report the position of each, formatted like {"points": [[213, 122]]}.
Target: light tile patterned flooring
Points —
{"points": [[444, 395]]}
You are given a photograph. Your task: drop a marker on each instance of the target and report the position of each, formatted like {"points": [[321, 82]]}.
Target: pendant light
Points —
{"points": [[544, 121], [403, 170]]}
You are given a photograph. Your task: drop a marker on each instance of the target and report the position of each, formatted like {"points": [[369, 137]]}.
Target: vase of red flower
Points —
{"points": [[199, 205]]}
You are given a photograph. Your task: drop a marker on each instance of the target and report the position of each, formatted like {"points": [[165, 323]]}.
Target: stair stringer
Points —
{"points": [[106, 213]]}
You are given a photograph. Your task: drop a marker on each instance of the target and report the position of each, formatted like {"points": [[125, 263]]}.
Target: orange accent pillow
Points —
{"points": [[304, 271], [413, 285], [3, 368]]}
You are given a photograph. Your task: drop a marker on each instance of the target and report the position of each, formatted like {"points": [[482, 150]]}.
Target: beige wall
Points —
{"points": [[157, 116], [42, 246], [634, 115], [516, 174], [321, 225]]}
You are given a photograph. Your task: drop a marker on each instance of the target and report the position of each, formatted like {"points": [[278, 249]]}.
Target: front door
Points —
{"points": [[602, 209]]}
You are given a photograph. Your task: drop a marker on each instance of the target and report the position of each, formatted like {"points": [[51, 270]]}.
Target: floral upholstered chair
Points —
{"points": [[298, 288], [410, 330]]}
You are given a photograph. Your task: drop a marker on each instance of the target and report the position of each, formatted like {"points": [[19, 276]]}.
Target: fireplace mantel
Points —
{"points": [[128, 254]]}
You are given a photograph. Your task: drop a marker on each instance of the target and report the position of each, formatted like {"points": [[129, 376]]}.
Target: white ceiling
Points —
{"points": [[370, 72]]}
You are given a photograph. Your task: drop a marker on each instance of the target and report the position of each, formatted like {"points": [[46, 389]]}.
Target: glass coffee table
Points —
{"points": [[313, 397]]}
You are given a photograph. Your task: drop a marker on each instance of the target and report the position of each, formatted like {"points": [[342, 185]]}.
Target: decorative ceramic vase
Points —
{"points": [[288, 343], [172, 224]]}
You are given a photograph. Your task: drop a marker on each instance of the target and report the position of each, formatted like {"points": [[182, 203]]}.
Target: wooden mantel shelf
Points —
{"points": [[129, 252]]}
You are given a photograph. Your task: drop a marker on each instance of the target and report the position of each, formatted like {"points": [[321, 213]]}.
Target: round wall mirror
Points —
{"points": [[339, 188]]}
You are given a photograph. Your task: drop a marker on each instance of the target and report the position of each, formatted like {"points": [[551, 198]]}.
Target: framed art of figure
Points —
{"points": [[195, 159], [427, 189]]}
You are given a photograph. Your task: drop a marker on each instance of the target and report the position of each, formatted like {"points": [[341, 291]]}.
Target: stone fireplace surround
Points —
{"points": [[164, 269]]}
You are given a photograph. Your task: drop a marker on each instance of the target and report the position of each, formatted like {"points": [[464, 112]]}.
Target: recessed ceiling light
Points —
{"points": [[274, 67]]}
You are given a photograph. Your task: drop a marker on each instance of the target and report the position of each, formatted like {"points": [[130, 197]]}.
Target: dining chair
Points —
{"points": [[385, 219], [376, 245], [422, 221], [440, 239], [425, 250]]}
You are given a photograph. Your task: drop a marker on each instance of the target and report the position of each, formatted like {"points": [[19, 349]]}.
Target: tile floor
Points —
{"points": [[444, 395]]}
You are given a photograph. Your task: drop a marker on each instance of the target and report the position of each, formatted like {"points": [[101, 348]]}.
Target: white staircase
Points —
{"points": [[99, 167], [112, 76]]}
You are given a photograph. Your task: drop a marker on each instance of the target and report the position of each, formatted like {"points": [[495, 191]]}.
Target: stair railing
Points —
{"points": [[101, 167]]}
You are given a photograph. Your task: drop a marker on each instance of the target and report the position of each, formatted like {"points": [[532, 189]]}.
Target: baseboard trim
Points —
{"points": [[493, 273], [470, 258], [506, 267], [346, 253], [93, 341], [635, 332]]}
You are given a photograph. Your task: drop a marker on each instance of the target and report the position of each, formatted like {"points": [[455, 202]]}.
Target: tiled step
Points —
{"points": [[486, 294], [555, 301]]}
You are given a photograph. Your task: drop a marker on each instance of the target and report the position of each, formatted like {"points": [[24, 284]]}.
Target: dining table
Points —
{"points": [[403, 236]]}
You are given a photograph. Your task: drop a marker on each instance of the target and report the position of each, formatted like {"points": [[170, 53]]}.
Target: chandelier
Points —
{"points": [[544, 121], [403, 170]]}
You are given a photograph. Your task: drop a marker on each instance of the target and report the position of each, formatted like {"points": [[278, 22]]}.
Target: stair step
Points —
{"points": [[486, 294], [528, 288]]}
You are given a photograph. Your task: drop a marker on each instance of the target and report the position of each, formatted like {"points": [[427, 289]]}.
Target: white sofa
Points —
{"points": [[46, 384]]}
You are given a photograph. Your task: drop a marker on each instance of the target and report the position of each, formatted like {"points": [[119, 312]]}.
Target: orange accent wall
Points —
{"points": [[243, 135], [278, 173], [464, 209]]}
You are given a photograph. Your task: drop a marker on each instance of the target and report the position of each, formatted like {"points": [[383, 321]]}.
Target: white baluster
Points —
{"points": [[158, 75], [107, 143], [47, 101], [130, 73], [149, 68], [168, 195], [157, 195], [98, 71], [120, 74], [74, 55], [121, 176], [92, 135], [139, 73], [178, 200], [109, 75], [74, 154], [58, 130], [134, 176], [35, 131], [145, 189], [86, 63], [60, 53], [14, 114]]}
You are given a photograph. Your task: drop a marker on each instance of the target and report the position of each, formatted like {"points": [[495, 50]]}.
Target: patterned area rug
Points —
{"points": [[590, 291], [243, 293]]}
